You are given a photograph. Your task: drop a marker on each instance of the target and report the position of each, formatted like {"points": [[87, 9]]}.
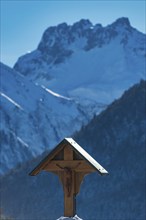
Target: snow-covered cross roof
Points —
{"points": [[79, 152]]}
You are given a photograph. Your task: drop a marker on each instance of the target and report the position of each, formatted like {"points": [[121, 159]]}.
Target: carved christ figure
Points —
{"points": [[68, 178]]}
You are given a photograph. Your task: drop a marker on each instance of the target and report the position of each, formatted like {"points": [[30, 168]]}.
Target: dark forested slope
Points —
{"points": [[117, 138]]}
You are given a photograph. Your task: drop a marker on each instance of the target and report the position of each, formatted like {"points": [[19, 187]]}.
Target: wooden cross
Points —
{"points": [[71, 163]]}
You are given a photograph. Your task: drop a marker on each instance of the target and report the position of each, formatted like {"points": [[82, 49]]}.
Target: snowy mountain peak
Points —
{"points": [[78, 60], [83, 24], [124, 22], [64, 39], [59, 38]]}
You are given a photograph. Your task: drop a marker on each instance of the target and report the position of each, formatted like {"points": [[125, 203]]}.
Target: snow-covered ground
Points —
{"points": [[67, 218]]}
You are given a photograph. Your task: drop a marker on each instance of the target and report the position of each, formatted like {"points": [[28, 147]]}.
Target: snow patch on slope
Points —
{"points": [[11, 100], [55, 94]]}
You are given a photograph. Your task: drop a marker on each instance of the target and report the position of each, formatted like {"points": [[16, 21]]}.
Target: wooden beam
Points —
{"points": [[76, 165], [68, 153], [47, 159]]}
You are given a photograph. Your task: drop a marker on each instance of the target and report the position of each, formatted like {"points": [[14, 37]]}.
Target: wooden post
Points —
{"points": [[69, 186], [69, 197]]}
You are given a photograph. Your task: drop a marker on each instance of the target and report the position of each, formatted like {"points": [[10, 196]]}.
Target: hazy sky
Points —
{"points": [[24, 21]]}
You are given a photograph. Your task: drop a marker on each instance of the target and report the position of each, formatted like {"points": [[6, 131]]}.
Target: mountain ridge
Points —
{"points": [[81, 60]]}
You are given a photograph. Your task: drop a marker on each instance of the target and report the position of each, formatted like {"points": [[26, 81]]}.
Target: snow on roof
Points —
{"points": [[86, 156], [78, 149]]}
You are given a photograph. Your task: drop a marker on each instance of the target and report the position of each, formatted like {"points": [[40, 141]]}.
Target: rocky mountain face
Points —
{"points": [[89, 62], [116, 139]]}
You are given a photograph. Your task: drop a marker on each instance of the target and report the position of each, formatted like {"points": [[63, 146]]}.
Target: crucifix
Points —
{"points": [[71, 163]]}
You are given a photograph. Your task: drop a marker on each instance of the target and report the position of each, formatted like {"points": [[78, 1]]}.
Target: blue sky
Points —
{"points": [[23, 22]]}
